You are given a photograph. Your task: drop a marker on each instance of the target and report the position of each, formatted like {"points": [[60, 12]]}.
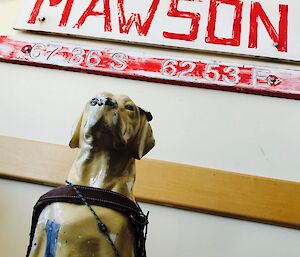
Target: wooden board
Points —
{"points": [[193, 188], [261, 28], [171, 70]]}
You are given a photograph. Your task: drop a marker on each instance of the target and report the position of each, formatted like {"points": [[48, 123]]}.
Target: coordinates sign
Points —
{"points": [[264, 28], [171, 70]]}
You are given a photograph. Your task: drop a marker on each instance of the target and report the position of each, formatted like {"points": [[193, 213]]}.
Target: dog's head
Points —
{"points": [[115, 123]]}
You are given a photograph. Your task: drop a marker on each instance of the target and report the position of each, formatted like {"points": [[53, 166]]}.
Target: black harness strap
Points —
{"points": [[98, 197]]}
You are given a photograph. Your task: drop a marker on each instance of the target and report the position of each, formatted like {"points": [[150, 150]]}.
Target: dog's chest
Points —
{"points": [[74, 230]]}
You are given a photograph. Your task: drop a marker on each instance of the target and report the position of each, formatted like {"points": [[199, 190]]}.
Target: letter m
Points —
{"points": [[65, 14]]}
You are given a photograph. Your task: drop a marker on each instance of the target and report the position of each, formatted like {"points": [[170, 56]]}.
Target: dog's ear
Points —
{"points": [[144, 140], [74, 142]]}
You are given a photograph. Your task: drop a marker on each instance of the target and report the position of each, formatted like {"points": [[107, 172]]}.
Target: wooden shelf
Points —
{"points": [[193, 188]]}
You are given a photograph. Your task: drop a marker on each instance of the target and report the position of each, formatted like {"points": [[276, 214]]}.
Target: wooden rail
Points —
{"points": [[193, 188]]}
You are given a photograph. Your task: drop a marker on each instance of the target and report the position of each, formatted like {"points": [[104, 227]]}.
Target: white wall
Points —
{"points": [[229, 131]]}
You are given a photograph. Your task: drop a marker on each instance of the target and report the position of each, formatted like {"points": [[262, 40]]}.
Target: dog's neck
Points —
{"points": [[106, 169]]}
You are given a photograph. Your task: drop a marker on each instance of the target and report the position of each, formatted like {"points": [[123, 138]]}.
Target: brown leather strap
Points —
{"points": [[94, 196]]}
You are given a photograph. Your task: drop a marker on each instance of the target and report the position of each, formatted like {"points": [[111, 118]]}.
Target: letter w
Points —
{"points": [[142, 29]]}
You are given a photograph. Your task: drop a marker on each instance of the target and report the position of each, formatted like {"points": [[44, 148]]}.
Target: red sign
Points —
{"points": [[265, 28], [171, 70]]}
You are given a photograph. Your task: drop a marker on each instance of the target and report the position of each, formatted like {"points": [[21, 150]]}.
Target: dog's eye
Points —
{"points": [[129, 107]]}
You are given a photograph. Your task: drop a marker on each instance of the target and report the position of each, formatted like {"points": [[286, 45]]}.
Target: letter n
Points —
{"points": [[280, 38]]}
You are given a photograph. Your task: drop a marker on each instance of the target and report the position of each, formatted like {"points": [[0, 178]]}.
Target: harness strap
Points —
{"points": [[98, 197]]}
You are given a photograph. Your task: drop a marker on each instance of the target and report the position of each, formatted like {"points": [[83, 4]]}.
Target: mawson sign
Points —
{"points": [[264, 28]]}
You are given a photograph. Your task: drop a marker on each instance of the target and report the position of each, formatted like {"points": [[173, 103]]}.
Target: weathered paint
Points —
{"points": [[52, 230], [264, 28], [171, 70]]}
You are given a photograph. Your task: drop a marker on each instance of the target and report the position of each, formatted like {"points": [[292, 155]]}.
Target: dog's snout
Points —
{"points": [[110, 102]]}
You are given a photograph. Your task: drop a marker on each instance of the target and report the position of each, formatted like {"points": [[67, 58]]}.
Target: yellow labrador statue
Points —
{"points": [[94, 214]]}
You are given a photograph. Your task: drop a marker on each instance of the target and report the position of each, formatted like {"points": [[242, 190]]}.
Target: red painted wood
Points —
{"points": [[171, 70]]}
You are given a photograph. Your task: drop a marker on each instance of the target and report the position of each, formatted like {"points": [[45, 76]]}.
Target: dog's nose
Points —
{"points": [[104, 101], [110, 102]]}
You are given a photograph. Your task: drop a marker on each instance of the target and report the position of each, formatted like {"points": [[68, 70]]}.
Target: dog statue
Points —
{"points": [[111, 133]]}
